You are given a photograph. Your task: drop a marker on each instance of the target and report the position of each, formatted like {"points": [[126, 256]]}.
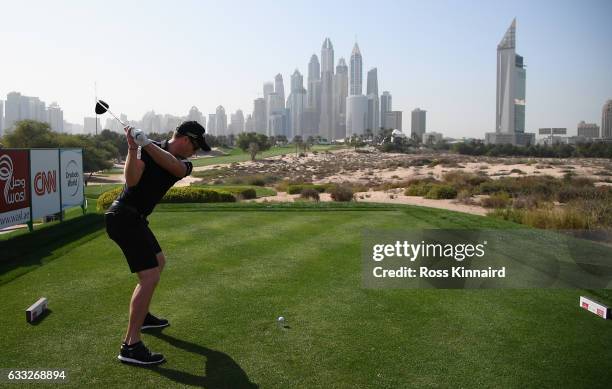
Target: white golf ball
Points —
{"points": [[281, 319]]}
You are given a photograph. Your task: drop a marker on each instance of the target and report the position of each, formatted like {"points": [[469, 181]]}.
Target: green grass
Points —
{"points": [[94, 191], [232, 269], [237, 155]]}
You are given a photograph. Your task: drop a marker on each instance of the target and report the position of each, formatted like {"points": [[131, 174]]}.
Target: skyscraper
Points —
{"points": [[275, 107], [237, 123], [356, 102], [55, 117], [221, 121], [606, 120], [588, 130], [326, 127], [249, 124], [314, 90], [385, 105], [268, 88], [259, 115], [418, 124], [279, 87], [340, 94], [212, 124], [297, 104], [511, 85], [18, 107], [373, 102], [356, 72], [195, 115], [91, 124], [393, 120]]}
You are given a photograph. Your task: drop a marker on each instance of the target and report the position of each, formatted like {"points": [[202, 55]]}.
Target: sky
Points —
{"points": [[436, 55]]}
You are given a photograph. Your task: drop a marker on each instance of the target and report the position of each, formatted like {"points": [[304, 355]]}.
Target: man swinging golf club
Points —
{"points": [[151, 168]]}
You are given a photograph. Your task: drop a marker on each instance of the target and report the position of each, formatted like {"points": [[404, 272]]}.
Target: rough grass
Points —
{"points": [[237, 155], [232, 269]]}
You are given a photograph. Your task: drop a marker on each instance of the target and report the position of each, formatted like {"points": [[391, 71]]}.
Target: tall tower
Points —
{"points": [[340, 94], [385, 106], [373, 102], [55, 117], [356, 72], [510, 107], [418, 124], [260, 124], [326, 128], [221, 121], [314, 93], [212, 124], [606, 120], [297, 105], [279, 87], [195, 115]]}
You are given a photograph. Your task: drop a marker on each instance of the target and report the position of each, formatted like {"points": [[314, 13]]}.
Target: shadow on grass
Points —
{"points": [[42, 317], [26, 252], [220, 370]]}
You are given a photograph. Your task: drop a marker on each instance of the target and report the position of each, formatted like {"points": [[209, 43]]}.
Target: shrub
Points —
{"points": [[297, 189], [310, 193], [570, 193], [464, 180], [341, 193], [107, 198], [174, 195], [465, 196], [247, 193], [189, 194], [526, 202], [419, 187], [496, 200], [439, 191]]}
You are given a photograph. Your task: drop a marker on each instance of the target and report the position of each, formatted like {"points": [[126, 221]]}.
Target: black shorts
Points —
{"points": [[135, 238]]}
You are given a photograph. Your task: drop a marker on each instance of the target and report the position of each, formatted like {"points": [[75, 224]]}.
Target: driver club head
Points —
{"points": [[101, 107]]}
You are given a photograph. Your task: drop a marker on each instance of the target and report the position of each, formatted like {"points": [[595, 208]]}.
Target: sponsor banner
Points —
{"points": [[18, 216], [14, 187], [45, 182], [71, 170]]}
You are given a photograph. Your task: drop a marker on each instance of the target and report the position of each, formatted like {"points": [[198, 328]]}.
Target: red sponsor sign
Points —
{"points": [[585, 305], [600, 312], [14, 180]]}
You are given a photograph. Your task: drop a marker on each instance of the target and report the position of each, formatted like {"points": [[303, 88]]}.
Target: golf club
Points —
{"points": [[102, 107]]}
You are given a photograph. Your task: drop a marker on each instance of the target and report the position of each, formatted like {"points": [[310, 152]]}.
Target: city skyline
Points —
{"points": [[560, 55]]}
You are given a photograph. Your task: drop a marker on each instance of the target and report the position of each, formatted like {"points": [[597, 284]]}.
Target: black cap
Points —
{"points": [[195, 131]]}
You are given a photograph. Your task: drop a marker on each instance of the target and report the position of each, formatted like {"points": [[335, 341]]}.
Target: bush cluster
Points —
{"points": [[185, 194]]}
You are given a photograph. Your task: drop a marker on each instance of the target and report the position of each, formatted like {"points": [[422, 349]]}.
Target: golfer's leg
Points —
{"points": [[161, 260], [139, 305]]}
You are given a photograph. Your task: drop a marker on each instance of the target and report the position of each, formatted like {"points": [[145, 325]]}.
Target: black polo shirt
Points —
{"points": [[153, 185]]}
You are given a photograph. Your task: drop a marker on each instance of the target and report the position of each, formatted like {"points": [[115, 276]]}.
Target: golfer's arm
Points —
{"points": [[166, 160], [133, 167]]}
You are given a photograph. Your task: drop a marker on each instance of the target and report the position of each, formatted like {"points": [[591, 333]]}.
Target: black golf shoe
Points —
{"points": [[153, 322], [139, 354]]}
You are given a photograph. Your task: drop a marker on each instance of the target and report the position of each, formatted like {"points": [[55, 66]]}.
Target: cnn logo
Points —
{"points": [[45, 182]]}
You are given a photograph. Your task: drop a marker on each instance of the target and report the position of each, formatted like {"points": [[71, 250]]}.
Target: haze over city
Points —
{"points": [[439, 56]]}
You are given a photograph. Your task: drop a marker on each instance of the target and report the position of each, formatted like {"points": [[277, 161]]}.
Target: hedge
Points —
{"points": [[185, 194]]}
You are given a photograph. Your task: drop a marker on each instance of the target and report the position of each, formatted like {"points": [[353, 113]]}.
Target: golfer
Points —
{"points": [[151, 168]]}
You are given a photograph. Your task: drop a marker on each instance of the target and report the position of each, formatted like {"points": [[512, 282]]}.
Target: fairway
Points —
{"points": [[233, 269]]}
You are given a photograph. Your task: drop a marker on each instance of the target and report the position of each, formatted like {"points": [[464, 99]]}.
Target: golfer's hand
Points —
{"points": [[130, 139], [140, 138]]}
